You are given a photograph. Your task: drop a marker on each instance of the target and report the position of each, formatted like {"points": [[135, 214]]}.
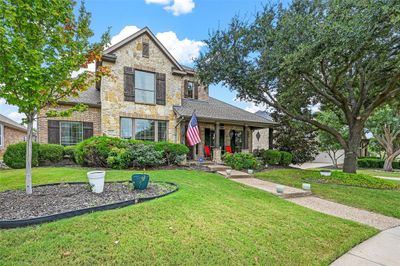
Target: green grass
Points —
{"points": [[210, 220], [380, 172], [382, 201]]}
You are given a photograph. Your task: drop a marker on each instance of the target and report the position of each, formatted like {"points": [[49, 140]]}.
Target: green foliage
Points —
{"points": [[298, 138], [371, 162], [240, 161], [69, 151], [95, 150], [286, 158], [15, 155], [146, 156], [342, 56], [52, 153], [272, 157], [119, 158], [172, 153]]}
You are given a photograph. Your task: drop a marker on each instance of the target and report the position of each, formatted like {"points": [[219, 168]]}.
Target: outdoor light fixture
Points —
{"points": [[306, 186], [280, 188]]}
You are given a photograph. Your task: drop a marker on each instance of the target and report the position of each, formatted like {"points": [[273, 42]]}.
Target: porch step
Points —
{"points": [[234, 174], [217, 167]]}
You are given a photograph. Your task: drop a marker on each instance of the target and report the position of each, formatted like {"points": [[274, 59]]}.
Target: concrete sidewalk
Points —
{"points": [[382, 249]]}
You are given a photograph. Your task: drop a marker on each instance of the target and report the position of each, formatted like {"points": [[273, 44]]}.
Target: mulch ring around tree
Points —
{"points": [[56, 201]]}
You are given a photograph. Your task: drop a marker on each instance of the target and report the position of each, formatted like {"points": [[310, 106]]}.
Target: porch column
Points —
{"points": [[217, 144], [217, 149]]}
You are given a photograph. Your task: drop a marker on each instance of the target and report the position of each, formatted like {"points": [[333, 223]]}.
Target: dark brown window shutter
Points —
{"points": [[185, 89], [160, 88], [196, 91], [53, 132], [129, 84], [87, 130], [145, 49]]}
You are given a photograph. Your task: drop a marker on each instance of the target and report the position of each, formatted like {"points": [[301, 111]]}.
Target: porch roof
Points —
{"points": [[216, 110]]}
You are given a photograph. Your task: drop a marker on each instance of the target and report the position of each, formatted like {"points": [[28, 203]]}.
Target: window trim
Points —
{"points": [[154, 90], [156, 139], [69, 122], [2, 136]]}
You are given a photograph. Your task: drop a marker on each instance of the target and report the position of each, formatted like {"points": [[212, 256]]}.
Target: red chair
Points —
{"points": [[228, 149], [207, 151]]}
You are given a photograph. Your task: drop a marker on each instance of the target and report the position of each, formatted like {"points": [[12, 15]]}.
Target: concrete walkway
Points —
{"points": [[382, 249]]}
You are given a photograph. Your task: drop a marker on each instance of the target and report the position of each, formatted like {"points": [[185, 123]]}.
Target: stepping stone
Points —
{"points": [[288, 192], [234, 174], [217, 167]]}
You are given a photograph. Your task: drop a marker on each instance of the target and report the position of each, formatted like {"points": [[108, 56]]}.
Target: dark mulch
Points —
{"points": [[53, 199]]}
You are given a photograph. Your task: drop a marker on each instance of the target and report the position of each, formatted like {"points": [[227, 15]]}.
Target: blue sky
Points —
{"points": [[181, 25]]}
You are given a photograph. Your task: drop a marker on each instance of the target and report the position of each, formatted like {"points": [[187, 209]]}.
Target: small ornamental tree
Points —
{"points": [[385, 126], [342, 56], [327, 142], [41, 43]]}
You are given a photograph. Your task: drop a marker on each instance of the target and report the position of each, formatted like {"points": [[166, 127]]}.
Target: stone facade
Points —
{"points": [[93, 114], [11, 136], [112, 90], [263, 142]]}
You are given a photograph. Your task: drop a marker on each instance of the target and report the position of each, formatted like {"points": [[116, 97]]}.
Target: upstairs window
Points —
{"points": [[145, 49], [190, 89], [144, 87]]}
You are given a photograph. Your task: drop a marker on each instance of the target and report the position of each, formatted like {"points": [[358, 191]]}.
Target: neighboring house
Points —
{"points": [[262, 138], [10, 132], [151, 97]]}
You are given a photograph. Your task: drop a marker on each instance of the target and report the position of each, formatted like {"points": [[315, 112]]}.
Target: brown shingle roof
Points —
{"points": [[90, 97], [213, 109]]}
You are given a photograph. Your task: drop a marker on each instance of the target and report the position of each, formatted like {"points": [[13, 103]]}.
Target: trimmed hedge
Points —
{"points": [[272, 157], [102, 151], [14, 156], [240, 161], [374, 162], [286, 158], [69, 151], [50, 153]]}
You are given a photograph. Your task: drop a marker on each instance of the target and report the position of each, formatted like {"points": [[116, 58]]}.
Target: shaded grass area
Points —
{"points": [[348, 191], [210, 220]]}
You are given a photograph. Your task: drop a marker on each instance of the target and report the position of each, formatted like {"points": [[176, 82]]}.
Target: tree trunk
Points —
{"points": [[28, 167], [387, 166], [351, 151]]}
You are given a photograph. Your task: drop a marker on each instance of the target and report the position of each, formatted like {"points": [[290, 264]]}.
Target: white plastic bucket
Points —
{"points": [[96, 180], [325, 173], [250, 171]]}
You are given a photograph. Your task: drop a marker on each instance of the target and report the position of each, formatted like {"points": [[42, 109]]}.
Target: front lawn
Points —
{"points": [[365, 192], [210, 220], [380, 172]]}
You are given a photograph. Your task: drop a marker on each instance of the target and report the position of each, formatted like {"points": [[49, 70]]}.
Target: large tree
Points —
{"points": [[41, 43], [295, 137], [342, 56], [384, 124]]}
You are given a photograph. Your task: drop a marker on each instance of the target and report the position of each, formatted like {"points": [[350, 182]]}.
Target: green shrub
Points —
{"points": [[69, 151], [258, 153], [119, 158], [50, 153], [172, 153], [95, 150], [14, 156], [370, 163], [145, 155], [240, 161], [272, 157], [286, 158]]}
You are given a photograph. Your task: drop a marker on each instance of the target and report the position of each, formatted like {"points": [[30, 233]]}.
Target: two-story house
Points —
{"points": [[151, 97]]}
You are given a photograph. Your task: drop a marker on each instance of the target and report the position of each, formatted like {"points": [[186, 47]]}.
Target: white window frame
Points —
{"points": [[1, 136], [154, 91], [69, 122], [156, 139]]}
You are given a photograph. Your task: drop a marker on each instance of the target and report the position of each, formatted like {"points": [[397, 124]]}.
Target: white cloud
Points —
{"points": [[161, 2], [180, 7], [17, 117], [184, 50], [124, 33]]}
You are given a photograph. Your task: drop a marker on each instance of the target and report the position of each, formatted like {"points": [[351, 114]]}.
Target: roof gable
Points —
{"points": [[137, 34]]}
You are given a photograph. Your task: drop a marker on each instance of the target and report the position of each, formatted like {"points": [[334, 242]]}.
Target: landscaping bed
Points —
{"points": [[60, 200]]}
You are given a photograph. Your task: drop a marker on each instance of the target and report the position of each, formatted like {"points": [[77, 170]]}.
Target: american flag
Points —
{"points": [[193, 134]]}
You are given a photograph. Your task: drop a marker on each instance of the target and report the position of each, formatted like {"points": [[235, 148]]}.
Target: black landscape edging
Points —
{"points": [[8, 224]]}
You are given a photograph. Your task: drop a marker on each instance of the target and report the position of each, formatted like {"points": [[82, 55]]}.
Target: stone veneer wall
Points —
{"points": [[263, 143], [11, 136], [93, 114], [112, 91]]}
